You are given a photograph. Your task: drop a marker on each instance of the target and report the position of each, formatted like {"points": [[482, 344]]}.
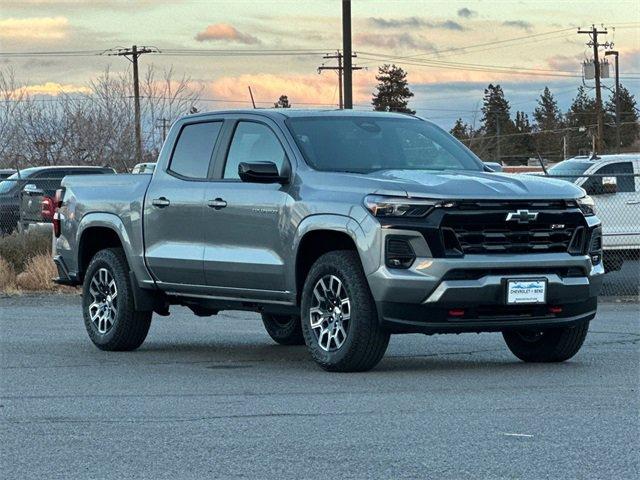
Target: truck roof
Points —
{"points": [[298, 112]]}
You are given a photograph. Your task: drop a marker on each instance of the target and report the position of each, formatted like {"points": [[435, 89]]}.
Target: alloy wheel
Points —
{"points": [[104, 293], [330, 313]]}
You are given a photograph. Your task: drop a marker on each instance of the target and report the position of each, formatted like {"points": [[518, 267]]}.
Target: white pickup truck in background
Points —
{"points": [[613, 181]]}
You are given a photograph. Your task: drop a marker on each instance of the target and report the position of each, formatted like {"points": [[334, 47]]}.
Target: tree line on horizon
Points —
{"points": [[96, 127], [513, 139]]}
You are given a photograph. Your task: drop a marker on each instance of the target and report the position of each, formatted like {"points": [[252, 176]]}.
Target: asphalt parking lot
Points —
{"points": [[215, 398]]}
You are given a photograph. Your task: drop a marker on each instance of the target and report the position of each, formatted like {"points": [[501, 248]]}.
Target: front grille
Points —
{"points": [[483, 228], [517, 239]]}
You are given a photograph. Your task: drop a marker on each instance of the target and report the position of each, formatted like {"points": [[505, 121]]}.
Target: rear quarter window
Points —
{"points": [[194, 148]]}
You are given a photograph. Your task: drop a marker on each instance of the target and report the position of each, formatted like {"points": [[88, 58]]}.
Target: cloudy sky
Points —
{"points": [[450, 49]]}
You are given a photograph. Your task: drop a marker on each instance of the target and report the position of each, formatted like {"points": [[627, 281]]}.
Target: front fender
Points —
{"points": [[365, 237]]}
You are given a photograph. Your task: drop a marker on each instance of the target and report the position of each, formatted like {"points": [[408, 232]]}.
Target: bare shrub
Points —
{"points": [[18, 248], [37, 274], [7, 276]]}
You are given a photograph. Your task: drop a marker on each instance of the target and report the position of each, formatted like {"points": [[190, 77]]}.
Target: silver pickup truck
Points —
{"points": [[340, 228]]}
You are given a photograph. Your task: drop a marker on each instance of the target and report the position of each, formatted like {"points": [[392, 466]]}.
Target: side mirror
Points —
{"points": [[260, 172], [494, 166], [31, 189], [609, 184]]}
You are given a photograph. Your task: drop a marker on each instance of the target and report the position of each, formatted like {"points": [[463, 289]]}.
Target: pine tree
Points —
{"points": [[461, 130], [582, 121], [283, 102], [629, 127], [549, 123], [393, 91], [496, 122], [522, 144]]}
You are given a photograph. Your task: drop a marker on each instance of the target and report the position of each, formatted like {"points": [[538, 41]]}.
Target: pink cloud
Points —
{"points": [[226, 33]]}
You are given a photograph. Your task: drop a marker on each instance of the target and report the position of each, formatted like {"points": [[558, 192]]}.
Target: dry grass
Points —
{"points": [[37, 274], [18, 248], [7, 276]]}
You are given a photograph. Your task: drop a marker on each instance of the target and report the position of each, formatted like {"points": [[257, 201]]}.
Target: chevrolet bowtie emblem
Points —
{"points": [[522, 216]]}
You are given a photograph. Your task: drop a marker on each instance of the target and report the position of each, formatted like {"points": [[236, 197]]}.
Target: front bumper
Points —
{"points": [[421, 298]]}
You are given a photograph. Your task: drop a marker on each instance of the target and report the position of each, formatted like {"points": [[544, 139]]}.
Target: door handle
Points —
{"points": [[633, 202], [160, 202], [218, 203]]}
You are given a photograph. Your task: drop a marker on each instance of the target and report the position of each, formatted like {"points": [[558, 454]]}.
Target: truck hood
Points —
{"points": [[470, 184]]}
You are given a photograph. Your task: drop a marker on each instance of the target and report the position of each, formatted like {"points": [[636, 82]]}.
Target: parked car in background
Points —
{"points": [[22, 194], [340, 228], [613, 181], [6, 172], [147, 167]]}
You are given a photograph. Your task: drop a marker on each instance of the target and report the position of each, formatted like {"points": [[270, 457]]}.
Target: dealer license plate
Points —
{"points": [[526, 291]]}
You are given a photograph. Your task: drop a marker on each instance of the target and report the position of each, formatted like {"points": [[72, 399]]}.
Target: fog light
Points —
{"points": [[399, 253]]}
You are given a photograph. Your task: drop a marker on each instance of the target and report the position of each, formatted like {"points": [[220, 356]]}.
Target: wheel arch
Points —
{"points": [[106, 230], [320, 234]]}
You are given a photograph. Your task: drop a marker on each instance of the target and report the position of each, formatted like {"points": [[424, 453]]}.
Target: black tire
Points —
{"points": [[549, 345], [365, 341], [129, 327], [284, 329]]}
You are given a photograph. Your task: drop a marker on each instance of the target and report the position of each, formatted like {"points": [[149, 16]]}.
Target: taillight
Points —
{"points": [[57, 203], [48, 209]]}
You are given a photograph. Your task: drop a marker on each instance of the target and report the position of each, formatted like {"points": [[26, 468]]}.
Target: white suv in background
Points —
{"points": [[613, 181]]}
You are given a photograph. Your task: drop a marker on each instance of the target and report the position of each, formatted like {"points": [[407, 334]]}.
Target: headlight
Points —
{"points": [[381, 206], [587, 205]]}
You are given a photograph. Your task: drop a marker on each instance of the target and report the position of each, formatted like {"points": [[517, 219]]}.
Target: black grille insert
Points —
{"points": [[492, 227]]}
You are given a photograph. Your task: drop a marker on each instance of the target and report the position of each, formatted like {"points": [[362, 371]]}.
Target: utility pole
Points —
{"points": [[498, 153], [615, 53], [134, 52], [593, 34], [340, 69], [346, 48], [164, 125]]}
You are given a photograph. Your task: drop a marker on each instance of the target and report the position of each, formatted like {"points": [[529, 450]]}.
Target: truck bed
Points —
{"points": [[99, 199]]}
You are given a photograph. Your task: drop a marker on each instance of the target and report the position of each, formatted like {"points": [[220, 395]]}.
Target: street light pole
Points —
{"points": [[616, 54], [346, 53]]}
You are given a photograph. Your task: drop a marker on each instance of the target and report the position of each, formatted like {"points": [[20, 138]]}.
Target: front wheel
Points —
{"points": [[547, 345], [110, 317], [339, 316]]}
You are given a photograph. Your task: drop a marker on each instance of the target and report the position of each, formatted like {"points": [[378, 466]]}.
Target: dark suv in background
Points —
{"points": [[22, 194]]}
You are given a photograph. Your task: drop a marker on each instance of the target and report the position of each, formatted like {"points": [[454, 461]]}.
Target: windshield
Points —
{"points": [[367, 144], [9, 183], [570, 168]]}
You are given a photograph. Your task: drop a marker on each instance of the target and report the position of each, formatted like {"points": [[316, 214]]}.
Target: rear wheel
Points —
{"points": [[107, 304], [339, 316], [547, 345], [283, 329]]}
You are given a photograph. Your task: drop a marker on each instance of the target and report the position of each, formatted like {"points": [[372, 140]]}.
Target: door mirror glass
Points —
{"points": [[609, 185], [494, 166], [260, 172], [31, 189]]}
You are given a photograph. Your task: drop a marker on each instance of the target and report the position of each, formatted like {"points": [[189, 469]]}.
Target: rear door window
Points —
{"points": [[194, 148]]}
